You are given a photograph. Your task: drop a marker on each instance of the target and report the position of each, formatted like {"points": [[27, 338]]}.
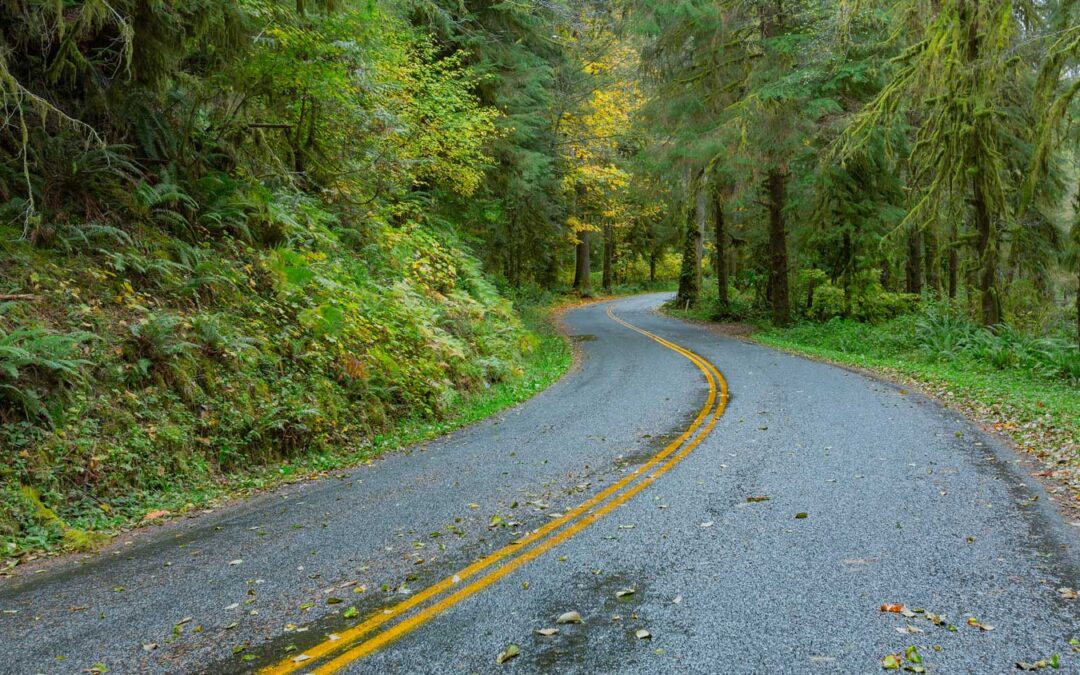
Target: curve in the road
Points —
{"points": [[351, 646]]}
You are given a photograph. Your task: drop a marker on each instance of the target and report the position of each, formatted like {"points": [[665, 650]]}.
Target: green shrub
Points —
{"points": [[828, 302]]}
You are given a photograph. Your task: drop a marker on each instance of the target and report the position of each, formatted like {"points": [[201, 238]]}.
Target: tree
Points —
{"points": [[956, 76]]}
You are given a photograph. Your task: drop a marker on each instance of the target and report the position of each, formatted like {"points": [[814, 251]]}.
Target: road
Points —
{"points": [[760, 507]]}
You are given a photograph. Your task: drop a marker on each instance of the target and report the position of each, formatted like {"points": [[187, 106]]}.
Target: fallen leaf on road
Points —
{"points": [[1067, 593], [350, 613], [974, 623], [236, 562], [707, 524], [912, 654], [909, 629], [643, 634], [154, 515], [894, 607], [570, 617], [801, 515], [149, 647], [757, 498], [300, 658], [548, 632], [624, 592], [907, 613], [891, 662], [334, 601], [510, 652], [677, 600], [1052, 662]]}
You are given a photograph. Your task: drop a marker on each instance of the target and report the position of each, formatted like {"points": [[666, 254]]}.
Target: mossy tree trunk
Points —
{"points": [[722, 301], [779, 292]]}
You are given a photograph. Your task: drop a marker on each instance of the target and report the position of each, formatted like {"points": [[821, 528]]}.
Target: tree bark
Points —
{"points": [[849, 267], [688, 276], [954, 261], [914, 262], [609, 248], [990, 305], [721, 255], [581, 267], [930, 258], [778, 258], [701, 210], [582, 271]]}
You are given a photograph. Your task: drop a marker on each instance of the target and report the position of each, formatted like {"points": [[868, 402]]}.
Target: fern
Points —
{"points": [[34, 363]]}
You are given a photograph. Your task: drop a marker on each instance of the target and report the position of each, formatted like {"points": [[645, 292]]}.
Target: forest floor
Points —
{"points": [[635, 517]]}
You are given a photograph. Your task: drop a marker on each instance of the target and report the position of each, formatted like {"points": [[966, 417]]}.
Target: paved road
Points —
{"points": [[904, 502]]}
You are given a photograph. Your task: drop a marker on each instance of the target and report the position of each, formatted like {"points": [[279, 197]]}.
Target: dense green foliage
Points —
{"points": [[233, 239], [859, 157]]}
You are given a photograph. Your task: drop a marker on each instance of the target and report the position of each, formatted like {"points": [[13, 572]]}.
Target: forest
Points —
{"points": [[247, 240]]}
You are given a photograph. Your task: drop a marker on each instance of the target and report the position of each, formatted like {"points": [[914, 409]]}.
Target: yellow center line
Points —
{"points": [[352, 635]]}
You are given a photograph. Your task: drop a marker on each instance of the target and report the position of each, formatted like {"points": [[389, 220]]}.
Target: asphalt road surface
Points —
{"points": [[760, 507]]}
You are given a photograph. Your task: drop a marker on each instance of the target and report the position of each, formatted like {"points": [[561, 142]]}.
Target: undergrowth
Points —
{"points": [[159, 374]]}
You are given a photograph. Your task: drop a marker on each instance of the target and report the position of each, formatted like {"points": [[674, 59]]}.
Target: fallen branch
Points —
{"points": [[19, 296]]}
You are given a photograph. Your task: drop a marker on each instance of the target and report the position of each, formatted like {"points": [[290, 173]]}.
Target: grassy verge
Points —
{"points": [[990, 380], [547, 356]]}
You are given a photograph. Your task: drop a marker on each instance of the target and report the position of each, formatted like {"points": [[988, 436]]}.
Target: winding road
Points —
{"points": [[704, 505]]}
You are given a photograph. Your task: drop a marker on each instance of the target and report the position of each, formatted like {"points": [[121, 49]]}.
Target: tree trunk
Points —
{"points": [[581, 269], [688, 276], [930, 258], [721, 255], [954, 261], [609, 247], [300, 8], [701, 211], [914, 265], [988, 257], [778, 259], [1078, 303], [652, 267], [981, 165], [848, 255]]}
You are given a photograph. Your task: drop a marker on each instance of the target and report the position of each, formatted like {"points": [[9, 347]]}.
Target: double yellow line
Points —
{"points": [[349, 645]]}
